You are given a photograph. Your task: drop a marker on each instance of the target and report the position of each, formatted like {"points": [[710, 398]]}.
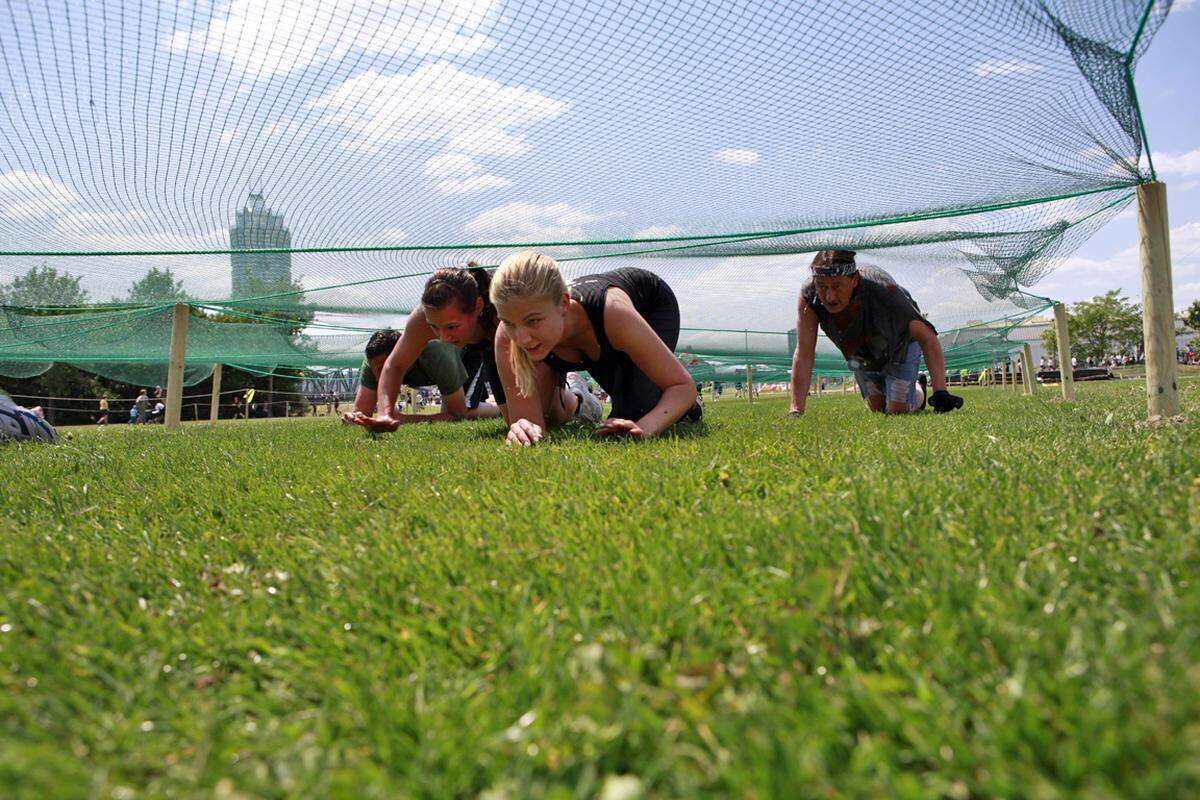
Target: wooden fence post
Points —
{"points": [[1158, 312], [1066, 373], [1027, 369], [214, 413], [178, 355]]}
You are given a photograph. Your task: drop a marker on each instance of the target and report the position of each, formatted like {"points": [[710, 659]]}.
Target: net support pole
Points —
{"points": [[750, 383], [1016, 384], [1066, 374], [1158, 311], [179, 323], [215, 411], [1027, 369]]}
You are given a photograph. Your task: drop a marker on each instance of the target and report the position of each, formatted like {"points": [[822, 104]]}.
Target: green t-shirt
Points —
{"points": [[438, 365]]}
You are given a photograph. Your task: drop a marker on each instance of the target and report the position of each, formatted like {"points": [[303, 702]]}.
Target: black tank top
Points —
{"points": [[644, 289]]}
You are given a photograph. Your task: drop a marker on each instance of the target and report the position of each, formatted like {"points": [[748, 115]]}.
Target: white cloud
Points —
{"points": [[476, 183], [291, 129], [1079, 277], [1186, 164], [30, 195], [452, 165], [733, 156], [527, 222], [489, 141], [393, 235], [268, 37], [437, 101], [995, 67], [658, 232], [228, 136]]}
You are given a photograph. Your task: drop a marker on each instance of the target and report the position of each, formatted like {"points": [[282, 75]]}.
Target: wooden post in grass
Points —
{"points": [[214, 413], [1158, 313], [1015, 383], [1027, 369], [1066, 374], [179, 323], [750, 383]]}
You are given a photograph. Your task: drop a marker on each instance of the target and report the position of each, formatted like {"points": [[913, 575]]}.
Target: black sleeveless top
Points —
{"points": [[648, 293]]}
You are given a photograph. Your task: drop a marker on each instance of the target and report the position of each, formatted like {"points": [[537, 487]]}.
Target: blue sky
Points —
{"points": [[1168, 83]]}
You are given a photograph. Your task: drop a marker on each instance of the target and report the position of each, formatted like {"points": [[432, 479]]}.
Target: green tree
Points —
{"points": [[43, 285], [1191, 317], [1108, 323], [157, 286]]}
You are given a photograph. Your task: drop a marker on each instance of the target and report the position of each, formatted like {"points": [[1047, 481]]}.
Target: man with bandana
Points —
{"points": [[880, 331]]}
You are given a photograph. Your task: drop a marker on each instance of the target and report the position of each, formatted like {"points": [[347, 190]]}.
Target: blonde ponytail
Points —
{"points": [[532, 276]]}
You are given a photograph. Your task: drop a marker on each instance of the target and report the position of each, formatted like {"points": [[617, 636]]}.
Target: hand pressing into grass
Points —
{"points": [[943, 402], [524, 433], [620, 427], [378, 424]]}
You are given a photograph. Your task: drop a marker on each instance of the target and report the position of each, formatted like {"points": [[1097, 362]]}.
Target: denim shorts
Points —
{"points": [[897, 383]]}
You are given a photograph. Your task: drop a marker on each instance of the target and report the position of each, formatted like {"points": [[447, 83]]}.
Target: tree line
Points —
{"points": [[47, 291]]}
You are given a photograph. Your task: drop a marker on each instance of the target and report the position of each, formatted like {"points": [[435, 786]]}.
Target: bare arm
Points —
{"points": [[805, 355], [364, 403], [527, 423], [454, 407], [417, 334], [935, 360], [631, 334]]}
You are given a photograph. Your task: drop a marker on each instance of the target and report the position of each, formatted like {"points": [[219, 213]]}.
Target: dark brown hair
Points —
{"points": [[382, 343], [464, 286]]}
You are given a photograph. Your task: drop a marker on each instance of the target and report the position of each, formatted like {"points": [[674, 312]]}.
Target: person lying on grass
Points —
{"points": [[18, 423], [438, 365], [620, 326], [456, 310], [879, 329]]}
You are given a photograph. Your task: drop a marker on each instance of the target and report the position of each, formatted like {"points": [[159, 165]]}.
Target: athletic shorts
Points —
{"points": [[897, 383]]}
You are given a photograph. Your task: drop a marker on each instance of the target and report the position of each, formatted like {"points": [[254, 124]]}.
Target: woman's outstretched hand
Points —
{"points": [[620, 427], [524, 433]]}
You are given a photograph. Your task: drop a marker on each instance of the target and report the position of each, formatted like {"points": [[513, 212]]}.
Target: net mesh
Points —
{"points": [[316, 160]]}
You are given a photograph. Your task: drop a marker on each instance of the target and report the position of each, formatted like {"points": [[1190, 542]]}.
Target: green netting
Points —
{"points": [[318, 159]]}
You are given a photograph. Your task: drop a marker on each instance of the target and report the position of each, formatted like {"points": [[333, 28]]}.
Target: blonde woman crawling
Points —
{"points": [[620, 326]]}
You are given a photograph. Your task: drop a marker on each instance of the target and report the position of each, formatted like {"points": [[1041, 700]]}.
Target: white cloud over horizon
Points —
{"points": [[527, 222], [475, 183], [1182, 164], [439, 100], [995, 67], [263, 38], [1079, 276], [658, 232], [737, 156]]}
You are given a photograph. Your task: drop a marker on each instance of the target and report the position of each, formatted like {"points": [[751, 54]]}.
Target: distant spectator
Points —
{"points": [[142, 407], [103, 420]]}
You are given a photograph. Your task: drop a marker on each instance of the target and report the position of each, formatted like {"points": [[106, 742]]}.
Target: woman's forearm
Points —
{"points": [[673, 404]]}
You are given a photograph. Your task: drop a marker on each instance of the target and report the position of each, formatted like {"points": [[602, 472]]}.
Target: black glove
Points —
{"points": [[942, 401]]}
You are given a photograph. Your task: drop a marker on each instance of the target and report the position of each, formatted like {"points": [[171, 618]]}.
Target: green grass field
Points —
{"points": [[1002, 602]]}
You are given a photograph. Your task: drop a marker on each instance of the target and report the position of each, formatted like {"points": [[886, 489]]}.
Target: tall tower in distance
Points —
{"points": [[257, 228]]}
